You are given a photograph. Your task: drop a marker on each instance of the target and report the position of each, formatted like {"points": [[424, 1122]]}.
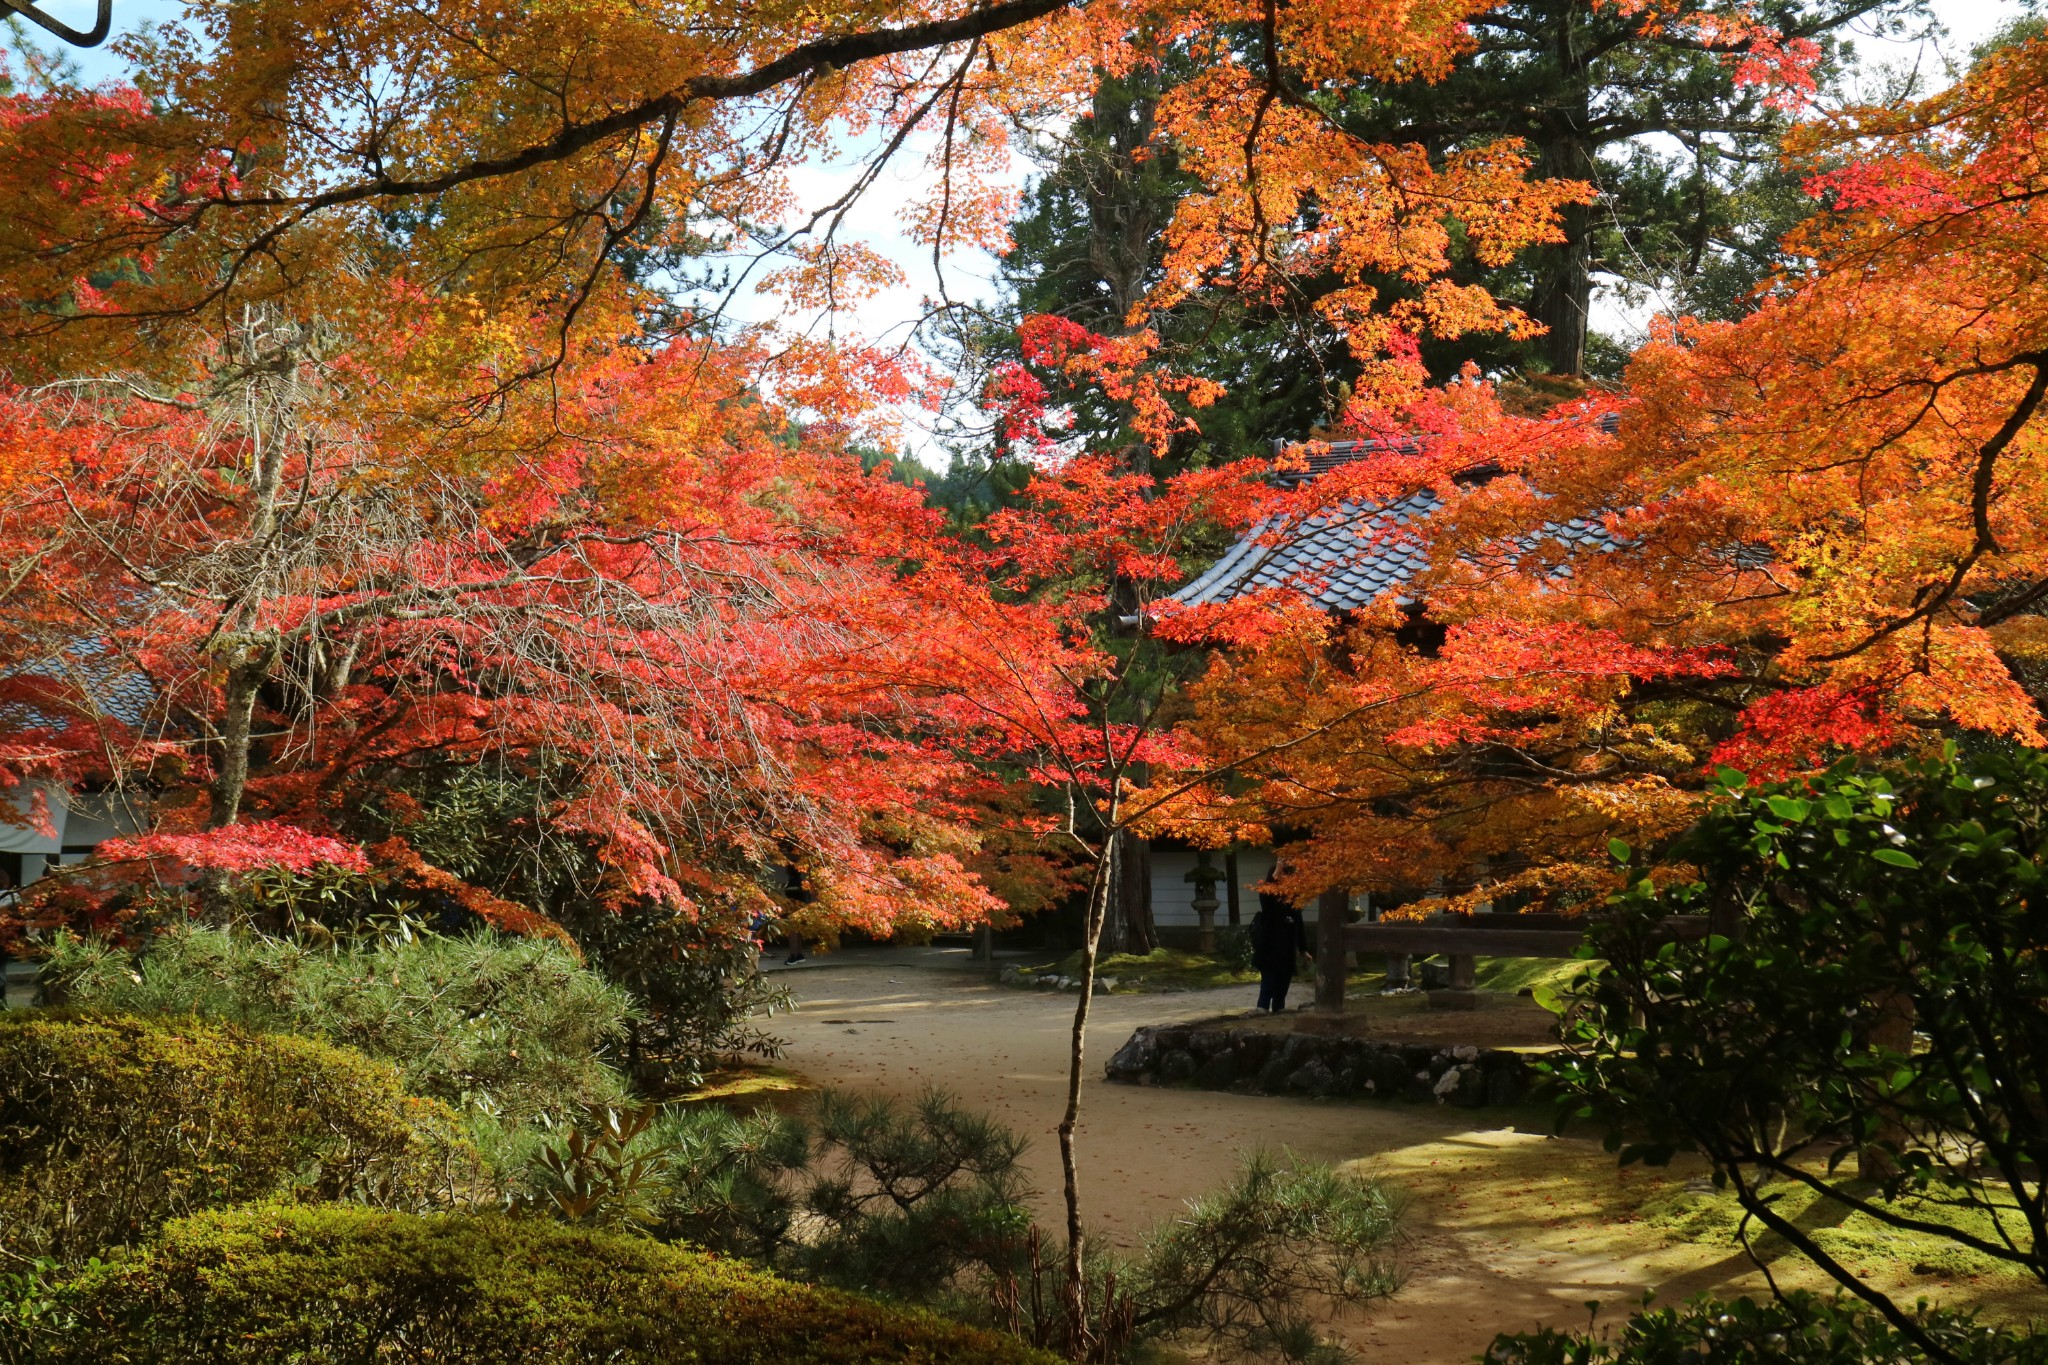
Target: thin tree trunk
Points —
{"points": [[1101, 893], [1564, 282], [1114, 935], [1893, 1031]]}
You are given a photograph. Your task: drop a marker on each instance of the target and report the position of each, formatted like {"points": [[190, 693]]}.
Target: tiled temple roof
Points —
{"points": [[1350, 554], [105, 683]]}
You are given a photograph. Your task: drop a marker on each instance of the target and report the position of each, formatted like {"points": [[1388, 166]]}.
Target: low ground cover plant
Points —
{"points": [[508, 1026], [1797, 1329]]}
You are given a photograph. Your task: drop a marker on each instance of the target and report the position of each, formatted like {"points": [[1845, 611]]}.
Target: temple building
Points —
{"points": [[1340, 559]]}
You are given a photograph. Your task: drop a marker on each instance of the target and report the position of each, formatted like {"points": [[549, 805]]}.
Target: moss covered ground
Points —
{"points": [[749, 1087], [1705, 1215]]}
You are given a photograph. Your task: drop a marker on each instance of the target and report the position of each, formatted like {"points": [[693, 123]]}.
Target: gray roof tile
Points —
{"points": [[1348, 555]]}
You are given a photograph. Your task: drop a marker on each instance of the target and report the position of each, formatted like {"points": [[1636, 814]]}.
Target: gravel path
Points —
{"points": [[1510, 1228]]}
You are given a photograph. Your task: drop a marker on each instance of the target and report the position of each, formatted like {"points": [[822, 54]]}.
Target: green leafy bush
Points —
{"points": [[28, 1308], [1234, 947], [1800, 1329], [320, 1285], [509, 1026], [111, 1126], [691, 976], [1866, 1019], [694, 982]]}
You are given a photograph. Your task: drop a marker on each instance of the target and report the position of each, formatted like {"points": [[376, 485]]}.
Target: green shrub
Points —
{"points": [[1800, 1329], [925, 1202], [110, 1126], [904, 1201], [733, 1180], [910, 1198], [318, 1285], [695, 985], [1863, 1013], [1234, 947], [691, 976], [1250, 1266], [508, 1026]]}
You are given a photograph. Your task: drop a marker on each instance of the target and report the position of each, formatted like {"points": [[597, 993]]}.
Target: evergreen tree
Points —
{"points": [[1692, 200], [1088, 247], [1692, 204]]}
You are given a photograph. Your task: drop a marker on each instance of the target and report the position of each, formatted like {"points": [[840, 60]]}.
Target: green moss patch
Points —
{"points": [[1162, 969], [321, 1285], [1857, 1240]]}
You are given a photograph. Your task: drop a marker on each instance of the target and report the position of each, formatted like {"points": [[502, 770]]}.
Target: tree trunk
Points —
{"points": [[1331, 921], [1126, 217], [1564, 288], [1892, 1030], [1123, 223], [1101, 893], [1134, 886], [247, 673], [1563, 292]]}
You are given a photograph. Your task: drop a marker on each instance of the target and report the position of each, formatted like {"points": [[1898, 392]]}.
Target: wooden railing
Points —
{"points": [[1460, 938]]}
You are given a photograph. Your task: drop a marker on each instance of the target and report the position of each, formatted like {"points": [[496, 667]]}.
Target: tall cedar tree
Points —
{"points": [[1692, 204]]}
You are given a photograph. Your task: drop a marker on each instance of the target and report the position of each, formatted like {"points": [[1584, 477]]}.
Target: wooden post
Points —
{"points": [[1230, 872], [1330, 954], [1462, 994]]}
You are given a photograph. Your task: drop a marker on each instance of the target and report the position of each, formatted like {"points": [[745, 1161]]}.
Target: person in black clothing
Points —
{"points": [[1277, 935]]}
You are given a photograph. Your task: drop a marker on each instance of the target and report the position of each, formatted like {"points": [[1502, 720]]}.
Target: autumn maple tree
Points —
{"points": [[1818, 533], [366, 400], [285, 632]]}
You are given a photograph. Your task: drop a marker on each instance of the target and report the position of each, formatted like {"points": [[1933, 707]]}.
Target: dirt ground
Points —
{"points": [[1509, 1227]]}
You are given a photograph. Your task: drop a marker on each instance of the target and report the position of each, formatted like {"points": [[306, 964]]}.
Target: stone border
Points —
{"points": [[1014, 976], [1259, 1062]]}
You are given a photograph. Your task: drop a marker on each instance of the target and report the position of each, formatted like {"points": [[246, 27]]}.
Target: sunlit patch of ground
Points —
{"points": [[746, 1088], [1516, 1211], [1509, 1228]]}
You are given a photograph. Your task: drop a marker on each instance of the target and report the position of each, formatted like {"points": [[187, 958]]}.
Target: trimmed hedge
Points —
{"points": [[337, 1284], [111, 1126]]}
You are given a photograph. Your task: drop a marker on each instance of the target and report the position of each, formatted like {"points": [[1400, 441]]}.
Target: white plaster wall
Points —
{"points": [[1173, 895], [18, 832], [79, 823]]}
